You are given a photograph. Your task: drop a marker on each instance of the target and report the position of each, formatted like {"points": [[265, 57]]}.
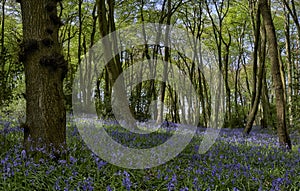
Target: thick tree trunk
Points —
{"points": [[279, 90], [45, 69]]}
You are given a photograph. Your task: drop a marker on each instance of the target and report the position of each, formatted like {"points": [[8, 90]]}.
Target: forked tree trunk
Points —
{"points": [[119, 102], [45, 69], [284, 138], [261, 50]]}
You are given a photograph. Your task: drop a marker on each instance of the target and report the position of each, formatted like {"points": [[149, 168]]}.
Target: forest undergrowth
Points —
{"points": [[234, 162]]}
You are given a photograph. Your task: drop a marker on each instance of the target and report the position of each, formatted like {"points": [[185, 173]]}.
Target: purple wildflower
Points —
{"points": [[108, 188], [126, 180], [23, 154], [73, 160], [172, 183]]}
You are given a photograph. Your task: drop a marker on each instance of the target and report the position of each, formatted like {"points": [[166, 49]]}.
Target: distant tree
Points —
{"points": [[291, 7], [223, 44], [45, 69]]}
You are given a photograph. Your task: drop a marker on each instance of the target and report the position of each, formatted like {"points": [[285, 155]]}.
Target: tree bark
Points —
{"points": [[45, 69], [284, 138], [113, 68], [289, 65], [165, 70], [268, 118], [262, 48], [119, 101]]}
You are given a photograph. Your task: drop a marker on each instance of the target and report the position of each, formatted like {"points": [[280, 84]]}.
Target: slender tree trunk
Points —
{"points": [[107, 96], [45, 69], [70, 76], [256, 35], [165, 70], [289, 66], [3, 27], [236, 87], [253, 111], [150, 92], [284, 138], [3, 76], [226, 68], [79, 50], [90, 78]]}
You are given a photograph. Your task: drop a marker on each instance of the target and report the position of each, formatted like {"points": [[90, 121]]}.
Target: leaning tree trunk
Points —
{"points": [[261, 50], [45, 69], [279, 89]]}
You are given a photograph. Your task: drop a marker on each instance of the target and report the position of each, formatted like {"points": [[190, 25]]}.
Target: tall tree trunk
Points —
{"points": [[289, 66], [255, 19], [165, 71], [113, 67], [45, 69], [79, 52], [119, 101], [3, 27], [226, 68], [262, 48], [89, 75], [150, 91], [3, 82], [70, 76], [284, 138]]}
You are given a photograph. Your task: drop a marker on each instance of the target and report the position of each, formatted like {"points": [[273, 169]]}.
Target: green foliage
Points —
{"points": [[11, 70], [14, 112], [238, 117], [235, 121]]}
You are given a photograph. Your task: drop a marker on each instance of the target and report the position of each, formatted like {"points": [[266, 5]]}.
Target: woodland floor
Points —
{"points": [[234, 162]]}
